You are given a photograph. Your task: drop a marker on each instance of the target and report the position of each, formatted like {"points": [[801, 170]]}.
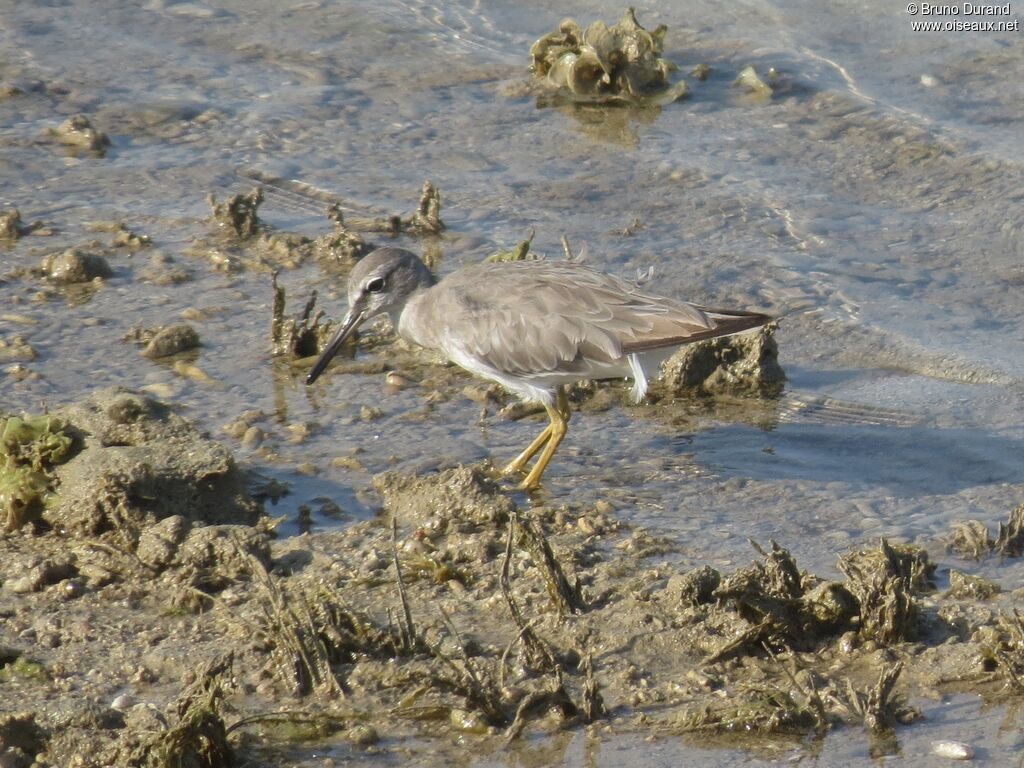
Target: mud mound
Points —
{"points": [[463, 498], [733, 365], [141, 462]]}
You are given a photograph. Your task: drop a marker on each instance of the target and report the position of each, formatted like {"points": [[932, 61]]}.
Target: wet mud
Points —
{"points": [[153, 618]]}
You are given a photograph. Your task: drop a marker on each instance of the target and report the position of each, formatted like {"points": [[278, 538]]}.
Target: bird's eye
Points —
{"points": [[376, 285]]}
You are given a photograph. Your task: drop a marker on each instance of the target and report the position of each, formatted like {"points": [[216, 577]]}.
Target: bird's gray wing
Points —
{"points": [[531, 318]]}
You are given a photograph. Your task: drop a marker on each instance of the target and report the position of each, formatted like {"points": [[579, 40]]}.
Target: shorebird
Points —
{"points": [[531, 326]]}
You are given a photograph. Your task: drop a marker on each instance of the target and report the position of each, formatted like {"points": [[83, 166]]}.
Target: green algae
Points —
{"points": [[29, 447], [36, 441], [199, 736], [521, 252]]}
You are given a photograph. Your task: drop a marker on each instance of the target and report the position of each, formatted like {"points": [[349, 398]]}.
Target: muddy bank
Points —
{"points": [[152, 618]]}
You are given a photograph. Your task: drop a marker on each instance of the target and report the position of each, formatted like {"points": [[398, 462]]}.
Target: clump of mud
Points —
{"points": [[21, 739], [167, 341], [731, 365], [75, 266], [345, 243], [604, 64], [197, 737], [246, 241], [426, 219], [1002, 648], [238, 215], [342, 243], [78, 133], [885, 581], [971, 539], [466, 500], [301, 335], [751, 83], [140, 462], [131, 490]]}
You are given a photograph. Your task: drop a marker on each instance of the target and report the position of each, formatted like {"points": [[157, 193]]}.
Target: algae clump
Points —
{"points": [[29, 446], [605, 64]]}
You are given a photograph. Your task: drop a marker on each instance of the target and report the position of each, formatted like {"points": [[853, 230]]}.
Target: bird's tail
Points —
{"points": [[723, 322]]}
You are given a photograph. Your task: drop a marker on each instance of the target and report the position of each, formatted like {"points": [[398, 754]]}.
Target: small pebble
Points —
{"points": [[363, 735], [123, 702], [395, 382], [252, 438], [954, 750], [347, 462], [73, 588], [367, 413], [190, 371]]}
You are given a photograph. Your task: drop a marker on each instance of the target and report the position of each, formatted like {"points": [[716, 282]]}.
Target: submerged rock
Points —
{"points": [[127, 238], [744, 364], [16, 349], [162, 270]]}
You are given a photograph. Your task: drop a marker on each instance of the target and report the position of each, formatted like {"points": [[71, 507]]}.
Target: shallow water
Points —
{"points": [[875, 202]]}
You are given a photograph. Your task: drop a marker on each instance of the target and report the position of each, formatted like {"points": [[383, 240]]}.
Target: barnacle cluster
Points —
{"points": [[608, 64]]}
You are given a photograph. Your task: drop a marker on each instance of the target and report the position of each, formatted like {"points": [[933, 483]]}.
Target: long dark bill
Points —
{"points": [[348, 325]]}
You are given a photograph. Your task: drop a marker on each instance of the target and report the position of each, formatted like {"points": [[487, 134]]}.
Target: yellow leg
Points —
{"points": [[517, 464], [553, 435]]}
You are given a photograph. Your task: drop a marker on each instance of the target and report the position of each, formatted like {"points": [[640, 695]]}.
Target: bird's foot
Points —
{"points": [[512, 468], [512, 472], [529, 487]]}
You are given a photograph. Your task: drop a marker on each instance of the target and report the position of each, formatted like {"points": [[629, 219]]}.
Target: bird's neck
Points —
{"points": [[407, 319]]}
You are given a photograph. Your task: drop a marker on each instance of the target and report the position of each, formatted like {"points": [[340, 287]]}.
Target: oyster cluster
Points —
{"points": [[620, 63]]}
